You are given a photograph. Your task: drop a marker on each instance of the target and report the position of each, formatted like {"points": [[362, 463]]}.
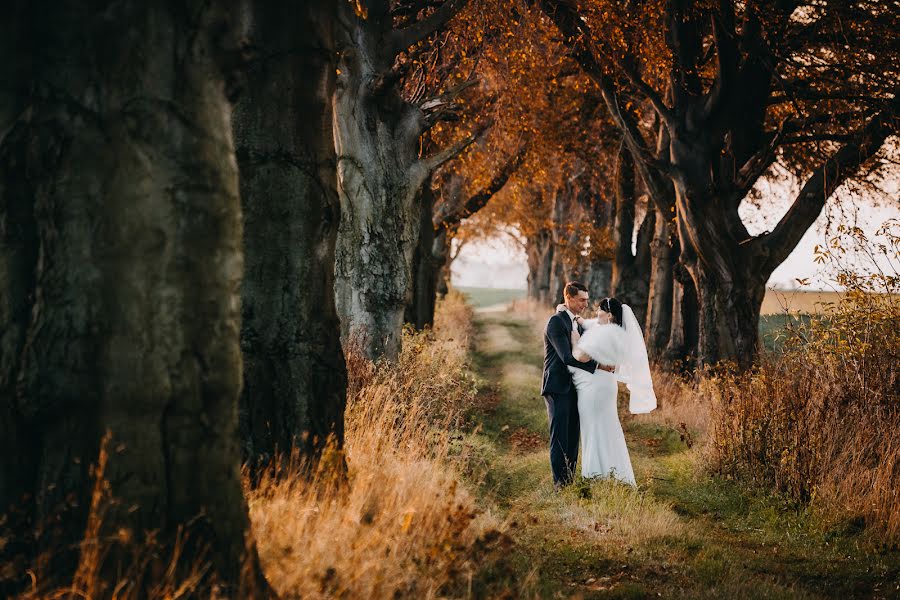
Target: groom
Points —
{"points": [[557, 387]]}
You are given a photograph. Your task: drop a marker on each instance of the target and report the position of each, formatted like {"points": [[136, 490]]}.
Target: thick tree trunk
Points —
{"points": [[558, 278], [565, 235], [598, 279], [729, 289], [660, 303], [539, 254], [442, 258], [681, 349], [294, 372], [379, 178], [728, 316], [420, 310], [631, 269], [120, 284]]}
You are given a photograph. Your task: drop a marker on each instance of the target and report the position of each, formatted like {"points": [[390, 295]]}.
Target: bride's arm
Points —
{"points": [[576, 351], [587, 323]]}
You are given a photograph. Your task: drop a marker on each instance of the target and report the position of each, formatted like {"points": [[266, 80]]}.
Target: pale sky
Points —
{"points": [[499, 263]]}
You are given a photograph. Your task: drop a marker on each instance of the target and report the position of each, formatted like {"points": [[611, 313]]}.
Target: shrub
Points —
{"points": [[820, 421]]}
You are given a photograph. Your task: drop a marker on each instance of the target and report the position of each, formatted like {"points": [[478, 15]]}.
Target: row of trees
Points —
{"points": [[658, 119], [190, 195], [198, 200]]}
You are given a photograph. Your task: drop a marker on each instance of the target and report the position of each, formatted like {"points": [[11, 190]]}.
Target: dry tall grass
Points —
{"points": [[821, 422], [403, 525], [398, 523]]}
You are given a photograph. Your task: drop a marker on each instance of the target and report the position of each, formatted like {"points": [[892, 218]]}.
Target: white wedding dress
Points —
{"points": [[603, 449]]}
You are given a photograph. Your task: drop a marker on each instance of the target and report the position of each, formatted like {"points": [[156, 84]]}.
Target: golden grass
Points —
{"points": [[683, 403], [399, 523], [619, 516], [821, 422], [403, 525]]}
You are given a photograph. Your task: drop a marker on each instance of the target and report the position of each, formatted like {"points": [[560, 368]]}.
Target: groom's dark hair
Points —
{"points": [[572, 288]]}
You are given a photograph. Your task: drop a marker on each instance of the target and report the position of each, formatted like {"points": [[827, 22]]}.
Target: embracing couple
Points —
{"points": [[583, 361]]}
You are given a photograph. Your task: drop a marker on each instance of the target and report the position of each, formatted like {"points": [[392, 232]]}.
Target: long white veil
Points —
{"points": [[634, 368]]}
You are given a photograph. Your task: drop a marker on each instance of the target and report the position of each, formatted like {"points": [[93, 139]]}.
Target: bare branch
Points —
{"points": [[478, 200], [665, 113], [401, 39], [437, 108], [436, 160], [775, 246]]}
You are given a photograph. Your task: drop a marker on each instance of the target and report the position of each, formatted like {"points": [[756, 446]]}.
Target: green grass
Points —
{"points": [[481, 297], [773, 329], [683, 534]]}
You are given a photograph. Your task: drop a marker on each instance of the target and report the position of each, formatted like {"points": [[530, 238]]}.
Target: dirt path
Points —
{"points": [[682, 534]]}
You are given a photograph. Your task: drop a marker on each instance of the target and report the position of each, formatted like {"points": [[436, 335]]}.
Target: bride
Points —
{"points": [[615, 341]]}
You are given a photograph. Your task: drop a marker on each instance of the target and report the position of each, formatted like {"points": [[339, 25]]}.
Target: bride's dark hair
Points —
{"points": [[613, 307]]}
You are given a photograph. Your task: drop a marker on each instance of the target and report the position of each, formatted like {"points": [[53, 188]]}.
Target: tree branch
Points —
{"points": [[777, 245], [665, 113], [436, 160], [401, 39], [436, 108], [479, 200], [723, 26]]}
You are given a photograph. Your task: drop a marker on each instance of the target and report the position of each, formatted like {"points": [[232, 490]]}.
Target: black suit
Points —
{"points": [[560, 395]]}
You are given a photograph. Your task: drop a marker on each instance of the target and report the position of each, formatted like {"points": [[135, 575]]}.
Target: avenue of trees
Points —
{"points": [[203, 204]]}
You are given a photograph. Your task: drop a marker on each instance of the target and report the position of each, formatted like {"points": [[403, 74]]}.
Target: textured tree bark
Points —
{"points": [[294, 373], [684, 333], [443, 258], [659, 303], [598, 279], [631, 270], [121, 272], [420, 310], [539, 255], [379, 175]]}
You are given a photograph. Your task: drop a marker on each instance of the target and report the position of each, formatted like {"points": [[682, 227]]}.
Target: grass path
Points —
{"points": [[683, 534]]}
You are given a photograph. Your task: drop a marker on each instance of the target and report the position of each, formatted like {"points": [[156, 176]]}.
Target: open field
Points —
{"points": [[480, 297], [796, 301], [776, 302]]}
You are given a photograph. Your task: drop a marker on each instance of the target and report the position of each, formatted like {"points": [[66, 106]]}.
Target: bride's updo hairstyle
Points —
{"points": [[613, 307]]}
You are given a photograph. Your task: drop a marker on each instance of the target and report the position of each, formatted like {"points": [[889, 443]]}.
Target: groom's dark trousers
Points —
{"points": [[560, 396]]}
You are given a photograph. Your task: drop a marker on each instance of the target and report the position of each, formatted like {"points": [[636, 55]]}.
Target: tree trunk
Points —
{"points": [[631, 269], [379, 178], [681, 349], [660, 303], [599, 279], [539, 253], [442, 258], [558, 278], [294, 372], [420, 310], [120, 285], [728, 316], [565, 236], [729, 289]]}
